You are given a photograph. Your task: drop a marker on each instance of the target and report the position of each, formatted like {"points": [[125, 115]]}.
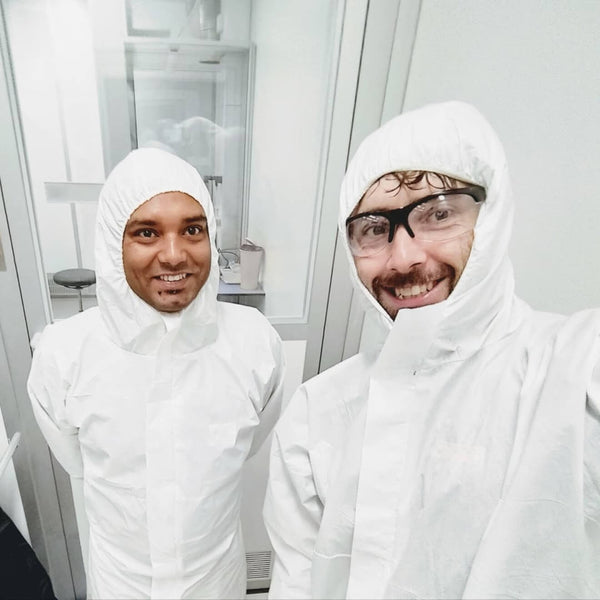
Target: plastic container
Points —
{"points": [[251, 257]]}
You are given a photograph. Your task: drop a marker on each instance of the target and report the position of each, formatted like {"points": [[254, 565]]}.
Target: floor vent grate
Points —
{"points": [[259, 564]]}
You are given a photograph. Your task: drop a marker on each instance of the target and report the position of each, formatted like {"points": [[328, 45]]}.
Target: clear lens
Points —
{"points": [[368, 235], [444, 217]]}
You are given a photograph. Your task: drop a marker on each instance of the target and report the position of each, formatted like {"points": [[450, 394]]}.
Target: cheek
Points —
{"points": [[133, 260], [367, 269], [202, 255], [455, 253], [206, 254]]}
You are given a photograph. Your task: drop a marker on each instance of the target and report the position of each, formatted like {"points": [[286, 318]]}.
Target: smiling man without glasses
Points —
{"points": [[157, 396], [459, 459], [166, 251]]}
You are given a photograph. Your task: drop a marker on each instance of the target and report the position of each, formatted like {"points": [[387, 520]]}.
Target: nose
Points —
{"points": [[172, 251], [405, 252]]}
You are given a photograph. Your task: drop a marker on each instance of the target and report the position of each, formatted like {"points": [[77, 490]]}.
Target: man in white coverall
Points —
{"points": [[157, 396], [461, 459]]}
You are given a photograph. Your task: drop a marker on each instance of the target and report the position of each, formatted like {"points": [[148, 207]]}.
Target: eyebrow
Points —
{"points": [[195, 219], [152, 223]]}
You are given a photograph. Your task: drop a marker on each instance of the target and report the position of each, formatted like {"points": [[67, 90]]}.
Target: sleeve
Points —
{"points": [[48, 388], [292, 510], [591, 474], [272, 390]]}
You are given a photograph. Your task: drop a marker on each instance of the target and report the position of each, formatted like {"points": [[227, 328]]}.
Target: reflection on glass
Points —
{"points": [[190, 99], [242, 89], [106, 77], [199, 19]]}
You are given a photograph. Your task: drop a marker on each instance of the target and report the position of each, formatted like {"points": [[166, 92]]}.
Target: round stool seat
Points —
{"points": [[75, 278]]}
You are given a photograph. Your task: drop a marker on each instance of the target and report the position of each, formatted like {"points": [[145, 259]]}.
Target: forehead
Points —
{"points": [[168, 206], [389, 192]]}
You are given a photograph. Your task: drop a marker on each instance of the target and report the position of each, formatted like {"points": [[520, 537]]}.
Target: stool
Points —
{"points": [[75, 279]]}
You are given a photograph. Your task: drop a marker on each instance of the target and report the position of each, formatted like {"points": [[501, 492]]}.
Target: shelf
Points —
{"points": [[234, 289]]}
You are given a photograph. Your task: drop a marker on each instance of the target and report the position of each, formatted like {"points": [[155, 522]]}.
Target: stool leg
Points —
{"points": [[80, 301]]}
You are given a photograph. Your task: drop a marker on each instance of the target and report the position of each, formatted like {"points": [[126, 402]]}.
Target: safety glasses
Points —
{"points": [[435, 218]]}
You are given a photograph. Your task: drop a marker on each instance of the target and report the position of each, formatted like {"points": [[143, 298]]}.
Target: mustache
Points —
{"points": [[415, 277]]}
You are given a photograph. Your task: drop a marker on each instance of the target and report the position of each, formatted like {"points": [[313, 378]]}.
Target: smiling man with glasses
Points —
{"points": [[411, 236], [459, 457]]}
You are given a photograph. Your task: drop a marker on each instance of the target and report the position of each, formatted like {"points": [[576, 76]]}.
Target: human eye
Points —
{"points": [[440, 214], [435, 213], [373, 227], [145, 233], [195, 230]]}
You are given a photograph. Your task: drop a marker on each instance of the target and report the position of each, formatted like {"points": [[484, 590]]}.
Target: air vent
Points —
{"points": [[259, 565]]}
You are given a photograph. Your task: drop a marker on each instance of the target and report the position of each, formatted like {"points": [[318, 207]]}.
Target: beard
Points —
{"points": [[387, 284]]}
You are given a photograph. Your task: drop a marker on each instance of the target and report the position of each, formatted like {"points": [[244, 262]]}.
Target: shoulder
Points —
{"points": [[584, 319], [246, 334], [231, 313], [69, 334], [59, 348], [244, 325], [344, 378], [557, 332], [577, 334], [333, 398]]}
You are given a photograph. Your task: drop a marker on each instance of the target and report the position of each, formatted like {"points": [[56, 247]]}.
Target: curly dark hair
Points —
{"points": [[412, 179]]}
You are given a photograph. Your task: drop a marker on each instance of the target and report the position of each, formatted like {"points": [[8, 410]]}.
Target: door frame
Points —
{"points": [[24, 310], [375, 55]]}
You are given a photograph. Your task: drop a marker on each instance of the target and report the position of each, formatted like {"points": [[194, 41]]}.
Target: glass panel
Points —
{"points": [[106, 77], [193, 76], [297, 44], [2, 261], [190, 99], [174, 18], [52, 58]]}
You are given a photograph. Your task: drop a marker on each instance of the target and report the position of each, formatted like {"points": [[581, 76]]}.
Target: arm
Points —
{"points": [[272, 393], [48, 388], [292, 509]]}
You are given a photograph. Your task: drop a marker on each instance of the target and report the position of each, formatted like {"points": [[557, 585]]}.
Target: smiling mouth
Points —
{"points": [[412, 291], [171, 278]]}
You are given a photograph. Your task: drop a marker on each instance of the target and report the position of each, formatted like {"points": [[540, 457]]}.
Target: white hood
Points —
{"points": [[453, 139], [132, 323]]}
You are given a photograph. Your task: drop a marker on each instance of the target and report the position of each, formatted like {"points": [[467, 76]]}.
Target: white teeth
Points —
{"points": [[172, 277], [414, 290]]}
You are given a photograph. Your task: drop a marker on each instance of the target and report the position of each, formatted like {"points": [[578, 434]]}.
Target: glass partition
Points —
{"points": [[241, 89], [190, 99]]}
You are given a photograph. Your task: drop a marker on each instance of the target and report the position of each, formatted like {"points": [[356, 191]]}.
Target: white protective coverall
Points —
{"points": [[462, 459], [158, 423]]}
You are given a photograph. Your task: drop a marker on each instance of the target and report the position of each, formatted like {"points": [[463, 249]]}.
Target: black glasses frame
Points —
{"points": [[399, 216]]}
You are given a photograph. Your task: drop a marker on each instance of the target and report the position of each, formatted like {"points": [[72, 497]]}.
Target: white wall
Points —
{"points": [[532, 67], [294, 49]]}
